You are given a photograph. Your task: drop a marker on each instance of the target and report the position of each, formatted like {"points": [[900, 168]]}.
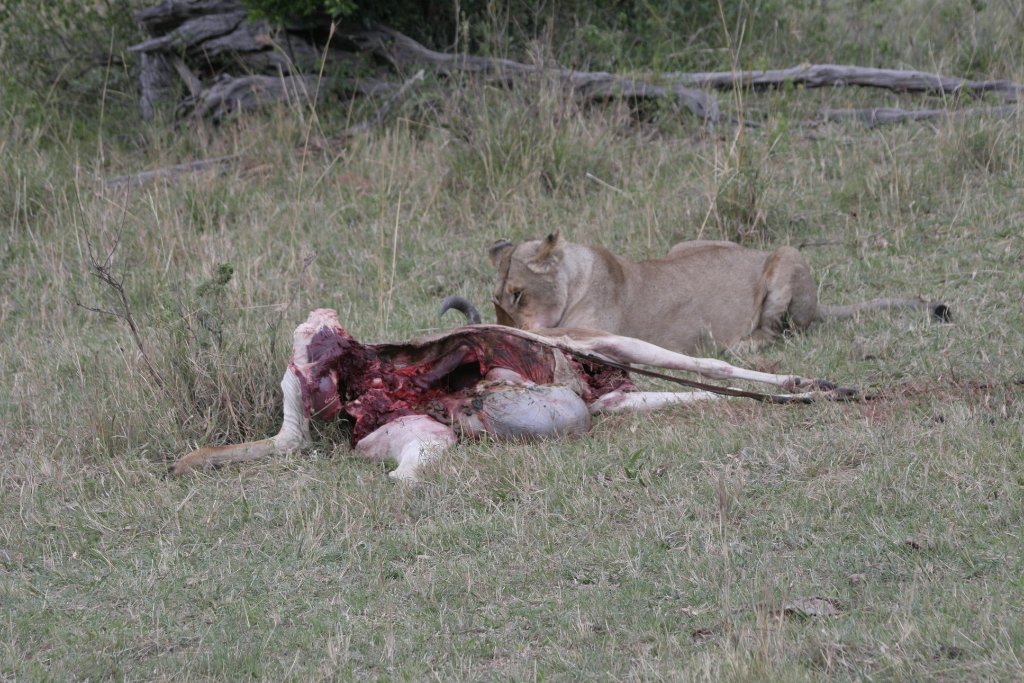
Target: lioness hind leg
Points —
{"points": [[790, 297]]}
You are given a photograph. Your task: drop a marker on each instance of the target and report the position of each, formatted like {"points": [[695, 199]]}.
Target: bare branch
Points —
{"points": [[403, 51], [879, 116], [104, 272], [833, 75], [220, 164]]}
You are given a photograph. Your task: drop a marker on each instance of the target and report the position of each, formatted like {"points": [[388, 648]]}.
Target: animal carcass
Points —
{"points": [[409, 401]]}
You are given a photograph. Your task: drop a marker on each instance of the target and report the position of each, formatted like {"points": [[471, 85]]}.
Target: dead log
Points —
{"points": [[404, 53], [218, 165], [880, 116], [232, 94], [229, 63], [192, 82], [156, 82], [168, 14], [216, 34], [837, 75], [176, 27], [192, 33]]}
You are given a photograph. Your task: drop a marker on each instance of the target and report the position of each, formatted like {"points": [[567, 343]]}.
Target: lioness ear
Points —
{"points": [[550, 249], [497, 249]]}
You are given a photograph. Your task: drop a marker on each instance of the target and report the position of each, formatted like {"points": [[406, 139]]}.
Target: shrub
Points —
{"points": [[67, 55]]}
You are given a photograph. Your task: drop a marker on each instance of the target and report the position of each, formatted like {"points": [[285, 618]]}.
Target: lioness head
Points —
{"points": [[532, 290]]}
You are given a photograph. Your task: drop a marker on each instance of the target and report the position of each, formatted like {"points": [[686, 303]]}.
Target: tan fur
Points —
{"points": [[703, 293]]}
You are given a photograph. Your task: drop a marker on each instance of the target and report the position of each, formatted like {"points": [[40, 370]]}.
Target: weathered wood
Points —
{"points": [[175, 26], [229, 63], [192, 82], [879, 116], [192, 33], [834, 75], [168, 14], [229, 95], [155, 81], [606, 87], [218, 165]]}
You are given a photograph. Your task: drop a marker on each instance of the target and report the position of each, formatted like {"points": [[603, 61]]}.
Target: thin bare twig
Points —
{"points": [[104, 272]]}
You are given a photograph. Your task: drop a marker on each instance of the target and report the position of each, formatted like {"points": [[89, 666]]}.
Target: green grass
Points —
{"points": [[656, 547]]}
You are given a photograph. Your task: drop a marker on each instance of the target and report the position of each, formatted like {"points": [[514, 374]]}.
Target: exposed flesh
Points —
{"points": [[409, 401]]}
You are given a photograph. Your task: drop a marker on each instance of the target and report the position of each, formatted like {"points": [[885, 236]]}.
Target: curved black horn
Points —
{"points": [[463, 306], [494, 253]]}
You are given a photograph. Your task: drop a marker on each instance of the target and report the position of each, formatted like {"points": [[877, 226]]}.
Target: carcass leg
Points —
{"points": [[293, 435], [410, 441], [637, 351], [646, 401]]}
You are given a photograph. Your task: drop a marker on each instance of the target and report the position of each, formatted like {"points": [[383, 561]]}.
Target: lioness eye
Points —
{"points": [[517, 297]]}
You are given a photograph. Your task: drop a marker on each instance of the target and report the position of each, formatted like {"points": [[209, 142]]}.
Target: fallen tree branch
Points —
{"points": [[251, 64], [879, 116], [193, 32], [835, 75], [232, 94], [404, 52], [167, 14], [220, 164]]}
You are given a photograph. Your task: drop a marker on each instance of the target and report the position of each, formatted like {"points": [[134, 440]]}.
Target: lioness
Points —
{"points": [[703, 293]]}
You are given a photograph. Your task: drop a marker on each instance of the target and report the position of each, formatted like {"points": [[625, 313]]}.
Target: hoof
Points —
{"points": [[941, 313], [180, 468], [407, 476], [845, 393]]}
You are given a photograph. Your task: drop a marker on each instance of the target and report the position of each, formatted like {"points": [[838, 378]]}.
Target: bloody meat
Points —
{"points": [[373, 384]]}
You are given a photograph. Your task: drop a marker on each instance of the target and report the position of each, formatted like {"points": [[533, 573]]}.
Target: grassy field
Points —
{"points": [[683, 545]]}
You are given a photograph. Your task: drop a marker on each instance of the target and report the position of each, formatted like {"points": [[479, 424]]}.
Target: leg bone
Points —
{"points": [[410, 441], [647, 401], [293, 435], [637, 351]]}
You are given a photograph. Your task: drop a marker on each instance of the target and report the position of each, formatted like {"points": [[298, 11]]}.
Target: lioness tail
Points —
{"points": [[938, 310]]}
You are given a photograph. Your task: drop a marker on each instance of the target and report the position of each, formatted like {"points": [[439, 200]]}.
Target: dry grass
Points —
{"points": [[658, 547]]}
